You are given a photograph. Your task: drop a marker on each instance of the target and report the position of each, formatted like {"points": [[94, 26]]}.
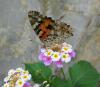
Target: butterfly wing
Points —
{"points": [[48, 30]]}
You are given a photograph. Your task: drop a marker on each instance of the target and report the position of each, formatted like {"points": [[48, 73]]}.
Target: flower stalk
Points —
{"points": [[64, 76]]}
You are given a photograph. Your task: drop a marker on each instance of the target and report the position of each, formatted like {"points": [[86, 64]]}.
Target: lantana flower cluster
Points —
{"points": [[57, 54], [17, 78]]}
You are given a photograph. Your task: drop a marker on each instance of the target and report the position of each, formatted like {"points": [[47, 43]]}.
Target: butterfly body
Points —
{"points": [[48, 30]]}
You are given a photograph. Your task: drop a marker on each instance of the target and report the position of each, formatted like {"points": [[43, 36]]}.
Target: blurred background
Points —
{"points": [[15, 30]]}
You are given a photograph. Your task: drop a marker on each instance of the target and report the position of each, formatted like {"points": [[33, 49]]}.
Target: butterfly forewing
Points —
{"points": [[48, 30]]}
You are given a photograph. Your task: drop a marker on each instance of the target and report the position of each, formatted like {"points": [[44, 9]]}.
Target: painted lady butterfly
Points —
{"points": [[48, 30]]}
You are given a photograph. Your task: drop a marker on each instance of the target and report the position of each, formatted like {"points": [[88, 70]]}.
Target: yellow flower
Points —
{"points": [[66, 49], [55, 56], [26, 77], [65, 57], [19, 70], [48, 53], [20, 83], [25, 72]]}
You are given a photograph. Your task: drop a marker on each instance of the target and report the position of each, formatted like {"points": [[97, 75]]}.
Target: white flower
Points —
{"points": [[66, 58], [26, 77], [43, 50], [11, 72], [69, 46], [55, 56], [21, 76], [19, 70], [66, 45], [6, 79], [48, 53], [6, 85], [25, 72], [66, 49], [20, 83]]}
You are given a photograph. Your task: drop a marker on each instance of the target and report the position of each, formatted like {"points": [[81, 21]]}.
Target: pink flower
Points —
{"points": [[59, 64], [72, 54], [42, 57], [51, 55], [27, 84], [47, 61]]}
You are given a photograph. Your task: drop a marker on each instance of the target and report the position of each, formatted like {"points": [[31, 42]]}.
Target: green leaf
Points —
{"points": [[82, 74], [39, 72], [57, 82]]}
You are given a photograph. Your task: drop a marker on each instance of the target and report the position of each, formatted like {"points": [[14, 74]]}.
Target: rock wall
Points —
{"points": [[15, 30]]}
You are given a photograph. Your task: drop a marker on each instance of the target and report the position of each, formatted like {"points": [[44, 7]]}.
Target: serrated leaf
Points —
{"points": [[83, 75], [39, 72]]}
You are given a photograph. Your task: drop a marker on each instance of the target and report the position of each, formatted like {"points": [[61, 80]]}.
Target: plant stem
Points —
{"points": [[63, 73]]}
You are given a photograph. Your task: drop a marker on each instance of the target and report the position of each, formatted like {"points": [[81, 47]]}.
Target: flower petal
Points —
{"points": [[56, 56], [72, 54], [27, 84], [42, 57], [48, 61], [59, 64]]}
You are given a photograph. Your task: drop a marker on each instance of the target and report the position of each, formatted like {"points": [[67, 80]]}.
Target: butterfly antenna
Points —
{"points": [[61, 17]]}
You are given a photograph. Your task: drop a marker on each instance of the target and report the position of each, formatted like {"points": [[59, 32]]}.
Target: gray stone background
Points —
{"points": [[15, 30]]}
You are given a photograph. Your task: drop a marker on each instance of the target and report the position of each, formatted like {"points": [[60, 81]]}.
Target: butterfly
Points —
{"points": [[48, 30]]}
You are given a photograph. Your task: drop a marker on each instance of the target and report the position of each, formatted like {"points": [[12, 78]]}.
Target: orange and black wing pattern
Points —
{"points": [[48, 30]]}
